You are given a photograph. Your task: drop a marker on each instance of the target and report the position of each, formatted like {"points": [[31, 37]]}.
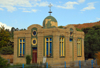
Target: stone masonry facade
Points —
{"points": [[70, 47]]}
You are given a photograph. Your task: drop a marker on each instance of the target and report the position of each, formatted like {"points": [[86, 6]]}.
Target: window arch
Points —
{"points": [[71, 35]]}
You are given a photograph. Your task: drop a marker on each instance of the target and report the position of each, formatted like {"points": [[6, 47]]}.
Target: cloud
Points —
{"points": [[90, 7], [60, 2], [24, 10], [41, 4], [1, 9], [90, 20], [98, 18], [81, 1], [6, 27], [68, 5], [34, 10], [12, 5]]}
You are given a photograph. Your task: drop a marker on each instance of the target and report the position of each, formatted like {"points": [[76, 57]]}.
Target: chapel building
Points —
{"points": [[56, 44]]}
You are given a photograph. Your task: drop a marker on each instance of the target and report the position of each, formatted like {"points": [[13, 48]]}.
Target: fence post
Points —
{"points": [[96, 62], [22, 65], [65, 64], [47, 65], [92, 63], [79, 64]]}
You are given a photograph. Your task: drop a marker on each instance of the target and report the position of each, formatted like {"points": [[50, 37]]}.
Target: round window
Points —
{"points": [[34, 32], [34, 41]]}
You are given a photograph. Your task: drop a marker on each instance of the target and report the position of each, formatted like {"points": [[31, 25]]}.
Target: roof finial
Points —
{"points": [[50, 9]]}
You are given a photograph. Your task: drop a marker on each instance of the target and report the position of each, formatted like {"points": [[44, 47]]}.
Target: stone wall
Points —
{"points": [[8, 57]]}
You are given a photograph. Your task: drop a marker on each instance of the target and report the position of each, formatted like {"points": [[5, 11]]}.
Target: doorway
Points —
{"points": [[34, 55]]}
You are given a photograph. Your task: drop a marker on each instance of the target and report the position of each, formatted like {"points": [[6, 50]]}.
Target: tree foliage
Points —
{"points": [[78, 29], [60, 27], [3, 63], [91, 41], [4, 37], [7, 50]]}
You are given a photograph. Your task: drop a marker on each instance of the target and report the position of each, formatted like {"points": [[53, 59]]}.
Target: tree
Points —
{"points": [[7, 50], [92, 44], [86, 29], [3, 63], [60, 27], [12, 32], [96, 27], [78, 29], [16, 29], [4, 37]]}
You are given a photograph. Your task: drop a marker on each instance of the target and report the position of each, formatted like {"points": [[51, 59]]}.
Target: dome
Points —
{"points": [[49, 22]]}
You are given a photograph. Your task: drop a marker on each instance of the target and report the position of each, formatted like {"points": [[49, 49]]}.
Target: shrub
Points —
{"points": [[60, 27], [3, 63], [78, 29], [7, 50], [28, 59]]}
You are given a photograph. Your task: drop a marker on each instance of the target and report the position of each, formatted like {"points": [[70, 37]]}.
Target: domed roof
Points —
{"points": [[49, 22]]}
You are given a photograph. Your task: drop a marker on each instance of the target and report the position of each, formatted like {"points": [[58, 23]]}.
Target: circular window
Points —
{"points": [[34, 33], [34, 41]]}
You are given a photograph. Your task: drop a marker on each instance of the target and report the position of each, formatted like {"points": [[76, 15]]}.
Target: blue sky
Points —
{"points": [[23, 13]]}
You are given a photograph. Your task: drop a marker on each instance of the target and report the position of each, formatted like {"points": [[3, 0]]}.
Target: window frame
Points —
{"points": [[35, 40], [71, 35], [18, 48], [48, 44], [63, 47], [33, 34], [79, 55]]}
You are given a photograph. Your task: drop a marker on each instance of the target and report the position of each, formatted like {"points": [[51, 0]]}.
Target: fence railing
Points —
{"points": [[72, 64], [29, 66], [77, 64]]}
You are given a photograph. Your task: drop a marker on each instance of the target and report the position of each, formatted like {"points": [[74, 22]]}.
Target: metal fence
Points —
{"points": [[77, 64], [29, 66], [72, 64]]}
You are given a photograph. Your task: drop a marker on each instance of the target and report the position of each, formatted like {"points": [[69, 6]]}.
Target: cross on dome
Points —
{"points": [[50, 5]]}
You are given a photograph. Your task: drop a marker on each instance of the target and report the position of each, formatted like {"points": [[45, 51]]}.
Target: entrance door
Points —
{"points": [[34, 55]]}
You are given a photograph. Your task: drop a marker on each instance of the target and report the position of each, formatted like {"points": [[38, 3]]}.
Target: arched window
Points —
{"points": [[71, 35]]}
